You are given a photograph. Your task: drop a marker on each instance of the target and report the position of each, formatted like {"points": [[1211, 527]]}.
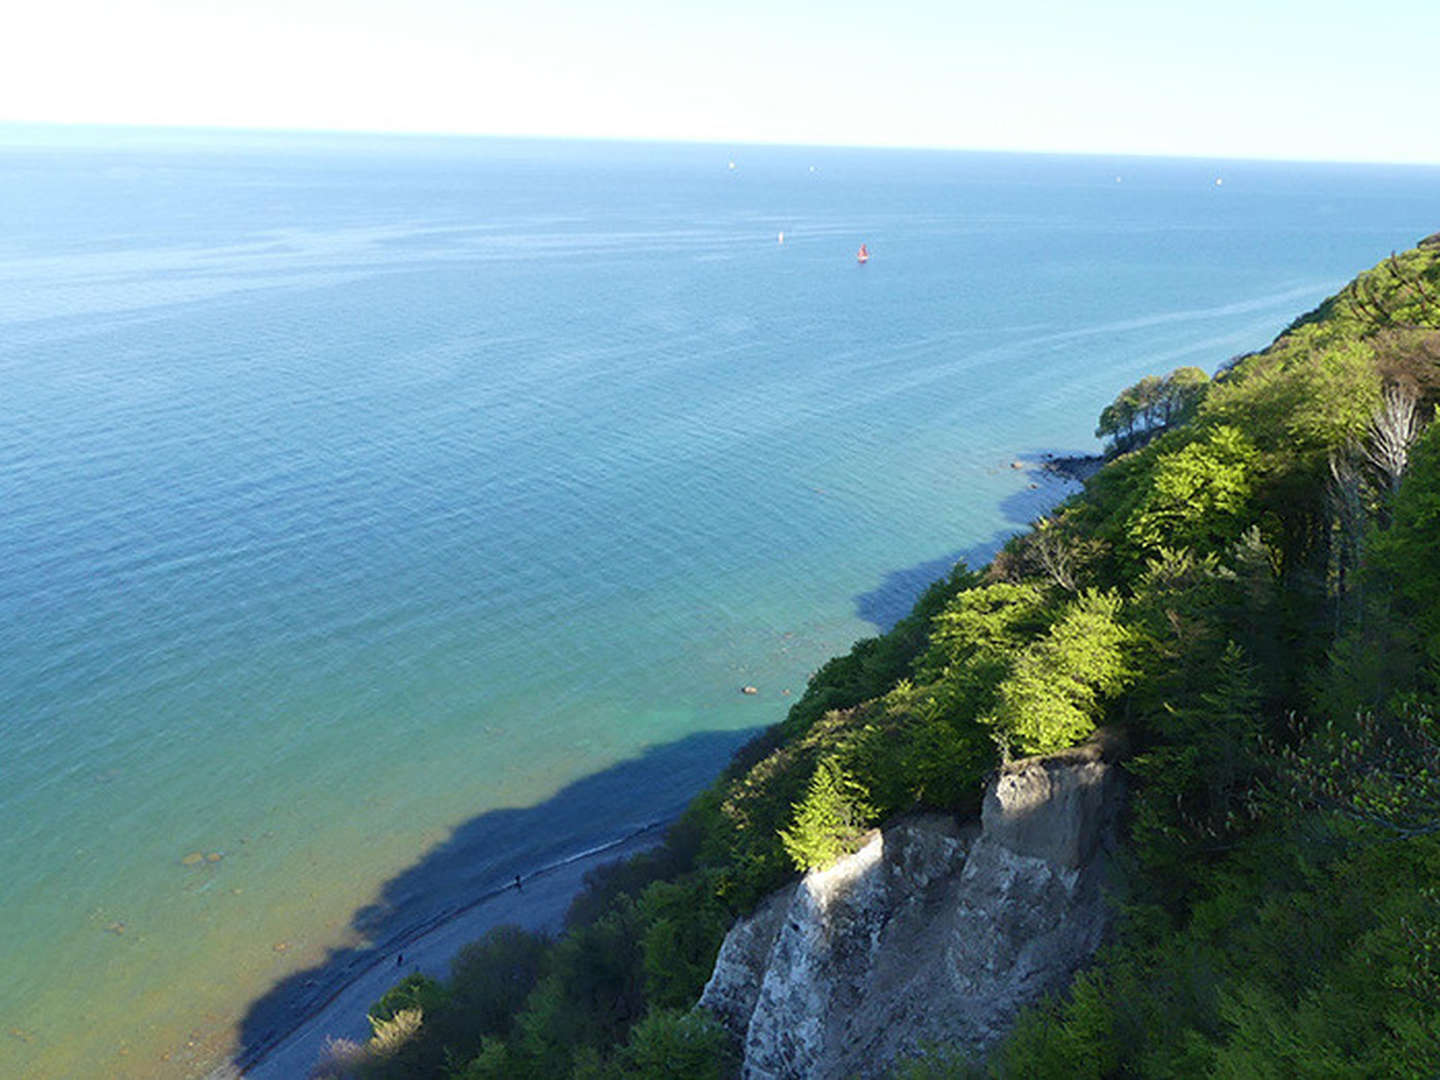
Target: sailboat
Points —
{"points": [[863, 255]]}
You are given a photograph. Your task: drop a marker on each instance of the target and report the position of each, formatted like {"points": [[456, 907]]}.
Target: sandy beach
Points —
{"points": [[540, 904]]}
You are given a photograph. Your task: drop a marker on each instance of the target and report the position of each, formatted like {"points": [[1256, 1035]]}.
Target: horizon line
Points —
{"points": [[696, 140]]}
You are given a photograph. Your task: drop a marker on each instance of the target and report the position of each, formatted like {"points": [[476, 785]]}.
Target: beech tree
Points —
{"points": [[1196, 497], [1053, 696], [1151, 406]]}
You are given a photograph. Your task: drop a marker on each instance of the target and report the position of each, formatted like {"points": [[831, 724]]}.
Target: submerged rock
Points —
{"points": [[933, 931]]}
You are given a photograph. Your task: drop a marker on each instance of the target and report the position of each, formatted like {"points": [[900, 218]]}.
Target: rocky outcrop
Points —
{"points": [[933, 931]]}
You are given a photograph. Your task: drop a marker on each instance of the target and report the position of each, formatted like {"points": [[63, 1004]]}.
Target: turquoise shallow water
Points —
{"points": [[355, 489]]}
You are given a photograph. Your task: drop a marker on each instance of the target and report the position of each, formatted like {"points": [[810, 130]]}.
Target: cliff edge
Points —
{"points": [[935, 930]]}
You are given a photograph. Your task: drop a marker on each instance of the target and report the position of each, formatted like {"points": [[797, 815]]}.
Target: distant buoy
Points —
{"points": [[812, 168], [1219, 182], [1117, 179]]}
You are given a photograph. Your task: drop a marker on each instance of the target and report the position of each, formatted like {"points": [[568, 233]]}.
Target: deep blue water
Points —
{"points": [[356, 487]]}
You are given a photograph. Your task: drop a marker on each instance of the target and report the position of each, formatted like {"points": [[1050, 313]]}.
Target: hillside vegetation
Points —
{"points": [[1251, 588]]}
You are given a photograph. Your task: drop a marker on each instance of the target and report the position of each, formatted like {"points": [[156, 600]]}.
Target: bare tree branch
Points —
{"points": [[1392, 431]]}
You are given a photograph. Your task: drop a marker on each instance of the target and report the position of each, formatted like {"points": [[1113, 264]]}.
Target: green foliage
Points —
{"points": [[675, 1045], [1081, 1042], [1152, 405], [1383, 772], [874, 665], [832, 815], [938, 1062], [979, 627], [685, 922], [1196, 776], [1405, 554], [1400, 293], [675, 856], [494, 1061], [600, 973], [415, 991], [974, 642], [490, 980], [1057, 550], [1285, 968], [915, 752], [1197, 496], [1057, 686]]}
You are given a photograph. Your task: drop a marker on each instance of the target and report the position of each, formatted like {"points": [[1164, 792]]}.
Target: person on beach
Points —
{"points": [[518, 887]]}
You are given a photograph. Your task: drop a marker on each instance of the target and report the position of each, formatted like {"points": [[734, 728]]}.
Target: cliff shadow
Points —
{"points": [[480, 860], [891, 600], [1046, 478]]}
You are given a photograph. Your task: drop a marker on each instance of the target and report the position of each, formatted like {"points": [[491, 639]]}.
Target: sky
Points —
{"points": [[1301, 79]]}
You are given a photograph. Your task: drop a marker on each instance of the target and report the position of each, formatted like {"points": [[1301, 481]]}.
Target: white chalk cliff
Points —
{"points": [[933, 931]]}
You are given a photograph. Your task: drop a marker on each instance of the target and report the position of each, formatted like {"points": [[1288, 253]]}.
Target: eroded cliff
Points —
{"points": [[934, 930]]}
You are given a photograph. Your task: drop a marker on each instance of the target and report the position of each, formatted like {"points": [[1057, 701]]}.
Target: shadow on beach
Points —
{"points": [[482, 857], [481, 860]]}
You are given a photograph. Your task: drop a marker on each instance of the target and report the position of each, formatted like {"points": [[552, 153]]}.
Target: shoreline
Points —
{"points": [[430, 945], [428, 948], [1077, 467]]}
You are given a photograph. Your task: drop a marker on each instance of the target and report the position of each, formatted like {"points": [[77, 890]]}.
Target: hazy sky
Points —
{"points": [[1250, 78]]}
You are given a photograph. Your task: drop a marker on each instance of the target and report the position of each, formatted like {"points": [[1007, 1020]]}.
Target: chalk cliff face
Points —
{"points": [[934, 930]]}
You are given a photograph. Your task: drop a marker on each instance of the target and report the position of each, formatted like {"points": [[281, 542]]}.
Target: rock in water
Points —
{"points": [[933, 931]]}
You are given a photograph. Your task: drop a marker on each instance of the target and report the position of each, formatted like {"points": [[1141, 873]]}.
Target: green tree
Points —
{"points": [[491, 978], [1054, 695], [1197, 496], [1404, 555], [1195, 778], [974, 640], [675, 1045], [1152, 405], [685, 923], [834, 812], [415, 991]]}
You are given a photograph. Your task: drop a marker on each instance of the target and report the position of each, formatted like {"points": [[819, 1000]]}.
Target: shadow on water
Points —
{"points": [[891, 600], [1042, 487], [481, 857], [480, 860]]}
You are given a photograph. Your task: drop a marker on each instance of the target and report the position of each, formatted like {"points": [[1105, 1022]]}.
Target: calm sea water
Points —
{"points": [[355, 490]]}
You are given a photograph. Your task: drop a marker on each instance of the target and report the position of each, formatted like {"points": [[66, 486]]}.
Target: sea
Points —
{"points": [[382, 517]]}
